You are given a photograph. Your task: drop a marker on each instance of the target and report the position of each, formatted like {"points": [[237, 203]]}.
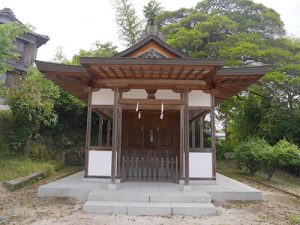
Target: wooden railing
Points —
{"points": [[149, 169]]}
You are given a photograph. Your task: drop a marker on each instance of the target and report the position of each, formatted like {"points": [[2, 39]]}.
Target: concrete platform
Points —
{"points": [[149, 208], [226, 189], [149, 198]]}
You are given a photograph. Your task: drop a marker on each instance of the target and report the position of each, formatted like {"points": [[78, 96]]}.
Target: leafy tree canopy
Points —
{"points": [[244, 33], [152, 9], [128, 22]]}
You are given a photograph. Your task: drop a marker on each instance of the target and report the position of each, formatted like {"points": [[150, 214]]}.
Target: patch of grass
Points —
{"points": [[281, 180], [19, 167], [294, 219]]}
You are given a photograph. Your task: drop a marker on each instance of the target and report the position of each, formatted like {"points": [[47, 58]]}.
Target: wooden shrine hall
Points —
{"points": [[151, 100]]}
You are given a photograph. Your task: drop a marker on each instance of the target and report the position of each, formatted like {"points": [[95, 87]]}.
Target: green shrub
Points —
{"points": [[282, 154], [222, 148], [294, 219], [35, 150], [249, 154], [291, 156], [5, 122]]}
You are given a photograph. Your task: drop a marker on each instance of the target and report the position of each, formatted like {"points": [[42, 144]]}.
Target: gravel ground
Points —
{"points": [[23, 207]]}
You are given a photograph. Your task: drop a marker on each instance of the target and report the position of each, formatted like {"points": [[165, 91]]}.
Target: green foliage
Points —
{"points": [[223, 147], [251, 17], [152, 9], [36, 151], [8, 33], [128, 22], [290, 153], [5, 123], [249, 154], [244, 32], [32, 104], [59, 56], [18, 167], [99, 50], [294, 219]]}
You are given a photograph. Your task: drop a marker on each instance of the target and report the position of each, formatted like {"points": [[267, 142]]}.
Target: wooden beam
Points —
{"points": [[210, 75], [170, 72], [151, 82], [179, 72], [114, 72], [190, 73], [94, 73], [132, 71], [142, 71], [103, 71], [199, 74], [150, 102], [123, 72]]}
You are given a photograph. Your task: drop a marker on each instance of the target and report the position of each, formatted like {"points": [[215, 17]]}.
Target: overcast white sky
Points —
{"points": [[78, 24]]}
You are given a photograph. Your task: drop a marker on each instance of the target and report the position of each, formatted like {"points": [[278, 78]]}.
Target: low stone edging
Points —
{"points": [[20, 182]]}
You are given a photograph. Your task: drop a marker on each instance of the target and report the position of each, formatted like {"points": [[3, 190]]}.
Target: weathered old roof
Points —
{"points": [[7, 16], [152, 64], [161, 74], [148, 39]]}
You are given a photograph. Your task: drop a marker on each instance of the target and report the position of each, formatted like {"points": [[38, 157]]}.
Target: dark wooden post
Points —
{"points": [[108, 128], [186, 138], [181, 162], [100, 131], [88, 131], [114, 136], [213, 132], [193, 135], [119, 140], [201, 124]]}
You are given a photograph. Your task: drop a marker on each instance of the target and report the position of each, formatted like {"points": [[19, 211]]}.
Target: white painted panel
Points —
{"points": [[199, 98], [99, 163], [200, 164], [103, 97], [167, 94], [135, 94]]}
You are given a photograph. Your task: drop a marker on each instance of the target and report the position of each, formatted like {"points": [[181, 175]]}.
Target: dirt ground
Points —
{"points": [[23, 207]]}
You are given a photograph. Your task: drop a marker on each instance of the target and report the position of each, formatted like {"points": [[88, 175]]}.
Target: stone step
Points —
{"points": [[149, 208], [180, 197]]}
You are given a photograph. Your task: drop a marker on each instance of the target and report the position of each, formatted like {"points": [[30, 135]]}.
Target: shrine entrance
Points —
{"points": [[150, 146]]}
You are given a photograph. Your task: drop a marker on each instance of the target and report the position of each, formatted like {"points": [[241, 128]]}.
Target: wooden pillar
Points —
{"points": [[186, 138], [100, 131], [201, 124], [108, 128], [181, 163], [213, 132], [193, 135], [88, 131], [119, 140], [114, 136]]}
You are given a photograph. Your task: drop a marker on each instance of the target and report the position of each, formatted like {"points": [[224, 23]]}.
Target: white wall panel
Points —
{"points": [[103, 97], [167, 94], [199, 98], [99, 163], [135, 94], [200, 165]]}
